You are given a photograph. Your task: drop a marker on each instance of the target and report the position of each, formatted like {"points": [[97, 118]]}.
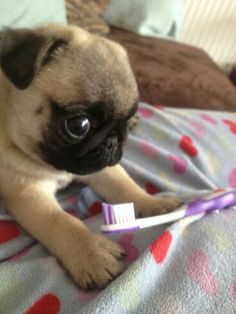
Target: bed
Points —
{"points": [[185, 267]]}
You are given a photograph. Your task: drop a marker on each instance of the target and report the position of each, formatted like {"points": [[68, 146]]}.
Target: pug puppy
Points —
{"points": [[66, 97]]}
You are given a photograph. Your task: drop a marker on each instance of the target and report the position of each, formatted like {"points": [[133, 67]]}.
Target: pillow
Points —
{"points": [[155, 18], [27, 13], [176, 75]]}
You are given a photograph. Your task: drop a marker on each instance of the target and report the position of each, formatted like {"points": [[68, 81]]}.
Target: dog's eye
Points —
{"points": [[77, 127]]}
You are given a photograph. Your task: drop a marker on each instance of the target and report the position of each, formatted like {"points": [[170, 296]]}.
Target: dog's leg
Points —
{"points": [[116, 186], [92, 260]]}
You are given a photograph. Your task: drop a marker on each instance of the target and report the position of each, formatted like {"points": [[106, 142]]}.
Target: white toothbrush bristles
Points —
{"points": [[123, 212]]}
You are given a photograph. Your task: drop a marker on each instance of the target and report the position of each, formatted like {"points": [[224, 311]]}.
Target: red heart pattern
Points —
{"points": [[151, 188], [178, 163], [199, 270], [160, 247], [87, 296], [95, 209], [198, 128], [232, 178], [159, 107], [8, 231], [219, 190], [208, 118], [187, 145], [231, 124], [47, 304], [234, 290], [148, 149], [132, 253], [145, 112]]}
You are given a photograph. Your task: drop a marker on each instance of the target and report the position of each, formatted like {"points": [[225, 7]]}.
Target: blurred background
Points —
{"points": [[183, 52]]}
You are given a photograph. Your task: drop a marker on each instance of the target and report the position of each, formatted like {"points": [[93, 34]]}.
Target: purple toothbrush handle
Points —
{"points": [[219, 202], [108, 214]]}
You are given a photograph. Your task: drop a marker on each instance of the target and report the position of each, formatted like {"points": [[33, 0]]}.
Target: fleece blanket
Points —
{"points": [[186, 267]]}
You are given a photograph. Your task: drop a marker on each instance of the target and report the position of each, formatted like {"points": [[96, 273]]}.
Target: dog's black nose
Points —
{"points": [[112, 150]]}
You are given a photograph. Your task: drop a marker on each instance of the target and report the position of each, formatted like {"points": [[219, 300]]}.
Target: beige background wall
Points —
{"points": [[211, 25]]}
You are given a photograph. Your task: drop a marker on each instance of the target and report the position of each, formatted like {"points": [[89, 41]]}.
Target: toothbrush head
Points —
{"points": [[117, 218]]}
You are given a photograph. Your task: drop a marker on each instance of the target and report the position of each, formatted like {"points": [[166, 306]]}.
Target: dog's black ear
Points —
{"points": [[19, 49]]}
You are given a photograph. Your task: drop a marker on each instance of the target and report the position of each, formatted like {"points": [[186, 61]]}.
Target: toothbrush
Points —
{"points": [[121, 217]]}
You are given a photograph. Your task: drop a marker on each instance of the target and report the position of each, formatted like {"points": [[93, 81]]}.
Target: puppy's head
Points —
{"points": [[70, 96]]}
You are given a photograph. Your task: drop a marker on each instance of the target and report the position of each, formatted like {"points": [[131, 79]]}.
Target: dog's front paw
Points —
{"points": [[98, 262], [160, 205]]}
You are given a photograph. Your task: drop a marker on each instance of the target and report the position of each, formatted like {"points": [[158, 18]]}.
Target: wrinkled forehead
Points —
{"points": [[93, 71]]}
